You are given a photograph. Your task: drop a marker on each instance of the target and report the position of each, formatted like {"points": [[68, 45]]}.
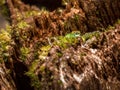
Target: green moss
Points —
{"points": [[34, 78], [21, 31], [112, 27], [89, 35], [24, 53], [70, 38], [73, 34], [43, 52], [30, 13], [5, 43], [61, 41], [22, 25], [109, 28]]}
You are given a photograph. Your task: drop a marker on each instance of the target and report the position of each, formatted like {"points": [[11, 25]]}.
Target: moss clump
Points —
{"points": [[5, 43], [43, 52], [89, 35], [24, 53], [68, 39], [34, 78], [22, 25]]}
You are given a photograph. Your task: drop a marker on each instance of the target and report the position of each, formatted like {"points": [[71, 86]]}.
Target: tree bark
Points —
{"points": [[6, 81]]}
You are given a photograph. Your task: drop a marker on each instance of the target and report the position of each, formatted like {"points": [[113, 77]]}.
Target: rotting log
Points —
{"points": [[84, 16]]}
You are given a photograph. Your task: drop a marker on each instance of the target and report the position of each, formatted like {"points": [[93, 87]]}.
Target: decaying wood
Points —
{"points": [[93, 70], [6, 82], [92, 15]]}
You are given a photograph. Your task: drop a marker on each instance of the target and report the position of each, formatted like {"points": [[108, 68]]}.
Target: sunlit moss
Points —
{"points": [[24, 53], [73, 34], [27, 14], [19, 16], [59, 10], [5, 43], [64, 41], [70, 38], [33, 66], [110, 27], [22, 25], [43, 51]]}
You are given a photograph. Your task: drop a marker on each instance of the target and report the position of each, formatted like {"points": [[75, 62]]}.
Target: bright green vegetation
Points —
{"points": [[73, 34], [61, 41], [43, 52], [23, 35], [22, 25], [72, 38], [68, 39], [64, 42], [5, 43], [24, 53]]}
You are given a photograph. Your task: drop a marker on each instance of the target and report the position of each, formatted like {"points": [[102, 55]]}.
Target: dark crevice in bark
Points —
{"points": [[22, 81], [48, 4]]}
